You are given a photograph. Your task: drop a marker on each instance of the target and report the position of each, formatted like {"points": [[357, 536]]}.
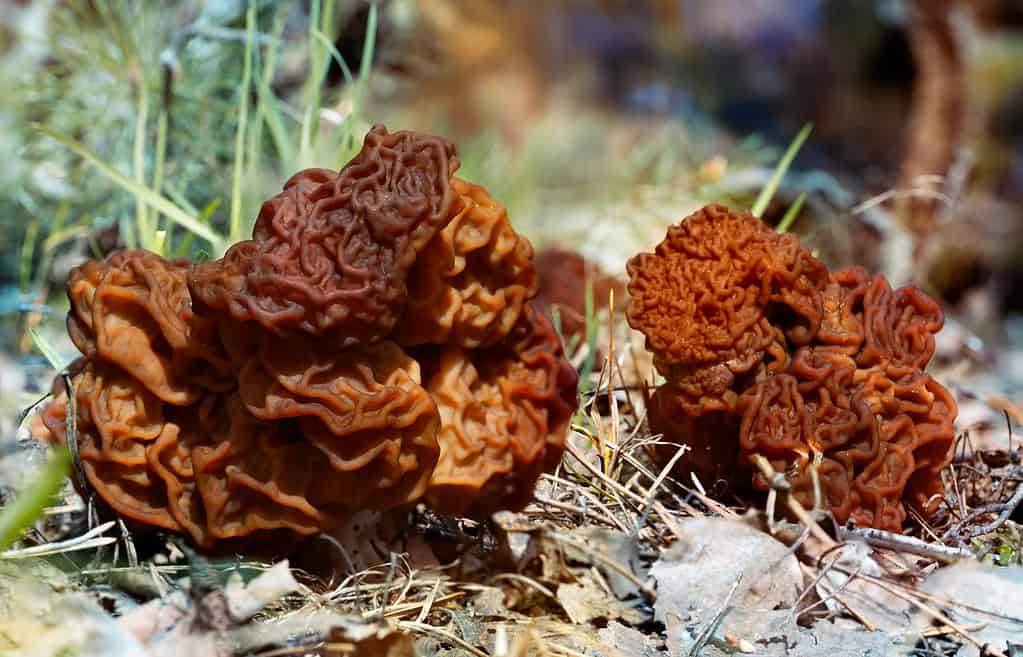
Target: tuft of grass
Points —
{"points": [[767, 193], [791, 214], [47, 350], [19, 515], [139, 190]]}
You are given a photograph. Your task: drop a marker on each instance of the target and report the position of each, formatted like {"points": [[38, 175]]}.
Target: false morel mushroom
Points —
{"points": [[371, 346], [765, 352]]}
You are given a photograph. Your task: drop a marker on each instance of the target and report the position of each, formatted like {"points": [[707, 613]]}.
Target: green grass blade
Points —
{"points": [[19, 515], [368, 47], [47, 350], [269, 111], [139, 164], [334, 54], [791, 214], [235, 232], [28, 249], [767, 193], [158, 162], [591, 324], [158, 201]]}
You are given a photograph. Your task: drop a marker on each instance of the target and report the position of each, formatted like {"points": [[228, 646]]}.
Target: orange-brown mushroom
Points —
{"points": [[470, 282], [363, 408], [504, 418], [717, 294], [268, 395], [134, 311], [766, 352]]}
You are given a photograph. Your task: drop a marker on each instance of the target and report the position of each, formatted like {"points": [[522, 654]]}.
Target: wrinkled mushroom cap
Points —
{"points": [[504, 418], [134, 311], [471, 281], [714, 295], [331, 253]]}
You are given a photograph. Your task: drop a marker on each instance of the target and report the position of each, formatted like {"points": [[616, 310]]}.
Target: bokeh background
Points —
{"points": [[598, 123]]}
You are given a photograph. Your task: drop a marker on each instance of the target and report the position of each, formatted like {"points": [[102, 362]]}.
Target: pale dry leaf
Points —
{"points": [[585, 601], [696, 576], [875, 605], [982, 586]]}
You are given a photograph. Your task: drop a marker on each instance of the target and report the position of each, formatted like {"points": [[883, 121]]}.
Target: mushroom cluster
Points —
{"points": [[764, 351], [371, 346]]}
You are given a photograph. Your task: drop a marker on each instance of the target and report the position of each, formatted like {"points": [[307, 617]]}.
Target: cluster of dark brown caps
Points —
{"points": [[371, 346], [764, 351]]}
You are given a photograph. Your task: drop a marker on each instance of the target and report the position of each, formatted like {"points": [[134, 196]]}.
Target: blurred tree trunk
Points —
{"points": [[936, 121]]}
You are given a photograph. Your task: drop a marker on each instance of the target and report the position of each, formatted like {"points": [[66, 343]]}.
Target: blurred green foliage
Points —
{"points": [[135, 116]]}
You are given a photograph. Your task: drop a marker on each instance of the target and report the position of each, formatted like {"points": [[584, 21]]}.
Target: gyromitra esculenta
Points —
{"points": [[764, 351], [372, 345], [565, 276]]}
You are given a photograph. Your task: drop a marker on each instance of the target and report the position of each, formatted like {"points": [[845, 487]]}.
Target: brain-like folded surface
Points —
{"points": [[266, 396], [472, 279], [716, 294], [331, 253], [504, 413], [819, 372]]}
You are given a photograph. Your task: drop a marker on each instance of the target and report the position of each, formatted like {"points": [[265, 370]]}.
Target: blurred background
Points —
{"points": [[597, 123]]}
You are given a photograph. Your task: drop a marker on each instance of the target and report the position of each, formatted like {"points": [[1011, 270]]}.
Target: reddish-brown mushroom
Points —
{"points": [[330, 254], [266, 396], [564, 278], [767, 353]]}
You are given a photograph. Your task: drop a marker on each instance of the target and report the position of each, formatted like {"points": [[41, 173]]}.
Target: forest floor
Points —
{"points": [[614, 557]]}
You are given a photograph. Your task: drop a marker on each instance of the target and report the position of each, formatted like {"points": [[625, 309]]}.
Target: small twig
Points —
{"points": [[778, 481], [1004, 510], [89, 539], [908, 544], [71, 431]]}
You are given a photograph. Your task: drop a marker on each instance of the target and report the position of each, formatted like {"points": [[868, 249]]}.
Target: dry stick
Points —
{"points": [[1006, 508], [778, 482], [528, 581], [891, 541], [712, 627]]}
